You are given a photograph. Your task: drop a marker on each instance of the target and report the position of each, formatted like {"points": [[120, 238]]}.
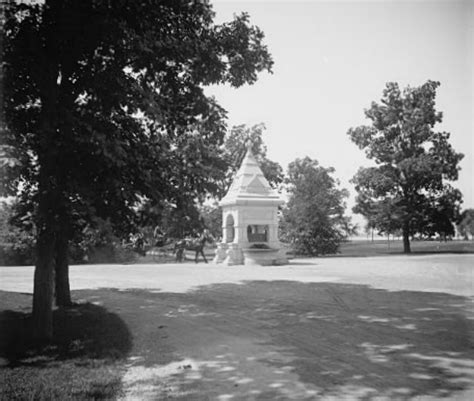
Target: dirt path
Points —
{"points": [[289, 340], [435, 273], [330, 329]]}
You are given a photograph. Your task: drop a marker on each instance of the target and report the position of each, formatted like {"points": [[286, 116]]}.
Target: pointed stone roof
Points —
{"points": [[250, 185]]}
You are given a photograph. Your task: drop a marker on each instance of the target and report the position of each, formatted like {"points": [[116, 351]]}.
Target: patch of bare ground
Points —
{"points": [[259, 340]]}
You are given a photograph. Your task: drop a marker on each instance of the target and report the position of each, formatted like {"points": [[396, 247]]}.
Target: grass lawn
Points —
{"points": [[257, 340], [356, 248], [84, 362], [393, 247]]}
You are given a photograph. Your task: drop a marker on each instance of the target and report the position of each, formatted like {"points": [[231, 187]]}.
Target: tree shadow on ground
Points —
{"points": [[84, 330], [409, 344], [323, 340], [82, 362]]}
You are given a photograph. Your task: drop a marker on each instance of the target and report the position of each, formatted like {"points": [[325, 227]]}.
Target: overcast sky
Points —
{"points": [[333, 58]]}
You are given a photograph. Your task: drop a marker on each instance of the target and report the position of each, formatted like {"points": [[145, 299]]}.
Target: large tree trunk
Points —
{"points": [[46, 216], [406, 238], [44, 286], [63, 292]]}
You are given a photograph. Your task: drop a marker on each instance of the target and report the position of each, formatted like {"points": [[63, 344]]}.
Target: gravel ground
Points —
{"points": [[398, 327], [434, 273]]}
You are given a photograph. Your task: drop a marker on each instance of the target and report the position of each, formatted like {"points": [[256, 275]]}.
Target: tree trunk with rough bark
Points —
{"points": [[63, 291], [406, 238], [46, 216], [43, 292]]}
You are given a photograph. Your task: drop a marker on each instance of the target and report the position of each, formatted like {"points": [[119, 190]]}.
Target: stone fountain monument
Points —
{"points": [[250, 219]]}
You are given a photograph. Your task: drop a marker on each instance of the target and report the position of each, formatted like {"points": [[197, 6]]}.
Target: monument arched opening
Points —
{"points": [[229, 230]]}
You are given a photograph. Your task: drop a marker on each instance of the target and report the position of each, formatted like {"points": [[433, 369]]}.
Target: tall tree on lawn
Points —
{"points": [[409, 188], [104, 107], [313, 220]]}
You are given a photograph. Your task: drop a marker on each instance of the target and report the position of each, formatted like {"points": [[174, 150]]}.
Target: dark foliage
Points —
{"points": [[105, 110], [16, 238], [236, 143], [313, 220], [211, 216]]}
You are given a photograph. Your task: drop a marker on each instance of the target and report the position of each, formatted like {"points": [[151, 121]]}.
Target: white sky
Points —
{"points": [[333, 58]]}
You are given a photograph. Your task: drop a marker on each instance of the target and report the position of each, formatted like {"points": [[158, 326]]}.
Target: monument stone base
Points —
{"points": [[232, 254]]}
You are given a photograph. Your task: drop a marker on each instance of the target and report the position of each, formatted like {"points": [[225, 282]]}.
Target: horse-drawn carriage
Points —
{"points": [[163, 249], [162, 253]]}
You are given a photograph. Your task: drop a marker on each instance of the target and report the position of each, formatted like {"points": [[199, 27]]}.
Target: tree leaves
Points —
{"points": [[407, 188], [235, 148], [313, 220], [106, 98], [466, 223]]}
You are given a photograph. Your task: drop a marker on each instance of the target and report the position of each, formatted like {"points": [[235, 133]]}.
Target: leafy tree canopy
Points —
{"points": [[16, 237], [118, 88], [104, 107], [466, 223], [235, 147], [211, 216], [313, 220], [408, 188]]}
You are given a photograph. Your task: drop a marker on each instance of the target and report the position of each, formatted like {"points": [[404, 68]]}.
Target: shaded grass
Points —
{"points": [[65, 381], [83, 361]]}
